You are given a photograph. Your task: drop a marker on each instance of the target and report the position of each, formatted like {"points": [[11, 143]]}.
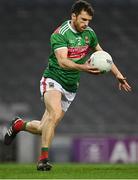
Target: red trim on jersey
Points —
{"points": [[44, 85], [57, 30]]}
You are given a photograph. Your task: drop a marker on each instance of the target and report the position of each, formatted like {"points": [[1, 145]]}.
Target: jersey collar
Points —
{"points": [[71, 28]]}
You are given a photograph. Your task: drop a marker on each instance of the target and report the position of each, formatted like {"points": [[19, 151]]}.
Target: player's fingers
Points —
{"points": [[126, 85], [88, 61], [96, 72], [94, 69], [129, 88], [120, 86], [126, 88]]}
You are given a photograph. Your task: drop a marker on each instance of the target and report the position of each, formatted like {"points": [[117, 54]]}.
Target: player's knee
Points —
{"points": [[39, 129], [55, 116]]}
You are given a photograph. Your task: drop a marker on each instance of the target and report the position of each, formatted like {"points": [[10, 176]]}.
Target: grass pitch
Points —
{"points": [[70, 171]]}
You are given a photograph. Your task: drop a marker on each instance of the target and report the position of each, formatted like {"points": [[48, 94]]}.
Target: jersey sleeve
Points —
{"points": [[58, 41], [94, 40]]}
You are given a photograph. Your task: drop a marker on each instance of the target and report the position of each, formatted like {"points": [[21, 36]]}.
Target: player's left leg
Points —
{"points": [[18, 125], [15, 127]]}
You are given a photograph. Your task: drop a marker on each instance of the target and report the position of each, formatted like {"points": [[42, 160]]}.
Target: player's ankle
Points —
{"points": [[20, 125], [44, 154], [43, 159]]}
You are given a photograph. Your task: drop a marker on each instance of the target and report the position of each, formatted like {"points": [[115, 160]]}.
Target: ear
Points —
{"points": [[73, 16]]}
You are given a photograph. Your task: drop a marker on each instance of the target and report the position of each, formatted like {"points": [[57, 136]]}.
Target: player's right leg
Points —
{"points": [[55, 113]]}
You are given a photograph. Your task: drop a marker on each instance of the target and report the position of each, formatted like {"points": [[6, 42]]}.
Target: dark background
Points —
{"points": [[99, 108]]}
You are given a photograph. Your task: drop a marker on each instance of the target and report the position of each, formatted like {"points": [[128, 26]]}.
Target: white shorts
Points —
{"points": [[47, 84]]}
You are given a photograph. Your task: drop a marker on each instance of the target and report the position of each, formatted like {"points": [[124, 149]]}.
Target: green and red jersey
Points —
{"points": [[79, 46]]}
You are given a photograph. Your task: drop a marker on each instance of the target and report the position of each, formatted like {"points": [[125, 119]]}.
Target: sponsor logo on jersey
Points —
{"points": [[71, 42], [78, 52]]}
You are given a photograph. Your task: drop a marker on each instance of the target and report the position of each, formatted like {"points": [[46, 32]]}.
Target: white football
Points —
{"points": [[101, 60]]}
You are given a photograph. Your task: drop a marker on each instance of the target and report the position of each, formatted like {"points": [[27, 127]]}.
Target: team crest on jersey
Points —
{"points": [[71, 41], [86, 40]]}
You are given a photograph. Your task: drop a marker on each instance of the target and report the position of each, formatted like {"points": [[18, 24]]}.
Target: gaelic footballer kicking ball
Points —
{"points": [[101, 60]]}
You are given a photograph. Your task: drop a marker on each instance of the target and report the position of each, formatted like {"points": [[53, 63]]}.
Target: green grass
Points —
{"points": [[70, 171]]}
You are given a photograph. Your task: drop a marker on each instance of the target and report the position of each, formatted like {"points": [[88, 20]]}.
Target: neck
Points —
{"points": [[72, 25]]}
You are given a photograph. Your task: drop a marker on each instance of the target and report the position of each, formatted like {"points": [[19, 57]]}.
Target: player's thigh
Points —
{"points": [[52, 101]]}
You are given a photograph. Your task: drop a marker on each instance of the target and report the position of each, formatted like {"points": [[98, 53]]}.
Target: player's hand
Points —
{"points": [[123, 84], [91, 69], [94, 71]]}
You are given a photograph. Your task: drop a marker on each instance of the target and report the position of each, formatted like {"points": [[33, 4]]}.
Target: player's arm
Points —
{"points": [[123, 84], [64, 62], [59, 45], [97, 48]]}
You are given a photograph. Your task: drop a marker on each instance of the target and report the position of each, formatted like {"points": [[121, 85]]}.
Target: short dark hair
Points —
{"points": [[80, 5]]}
